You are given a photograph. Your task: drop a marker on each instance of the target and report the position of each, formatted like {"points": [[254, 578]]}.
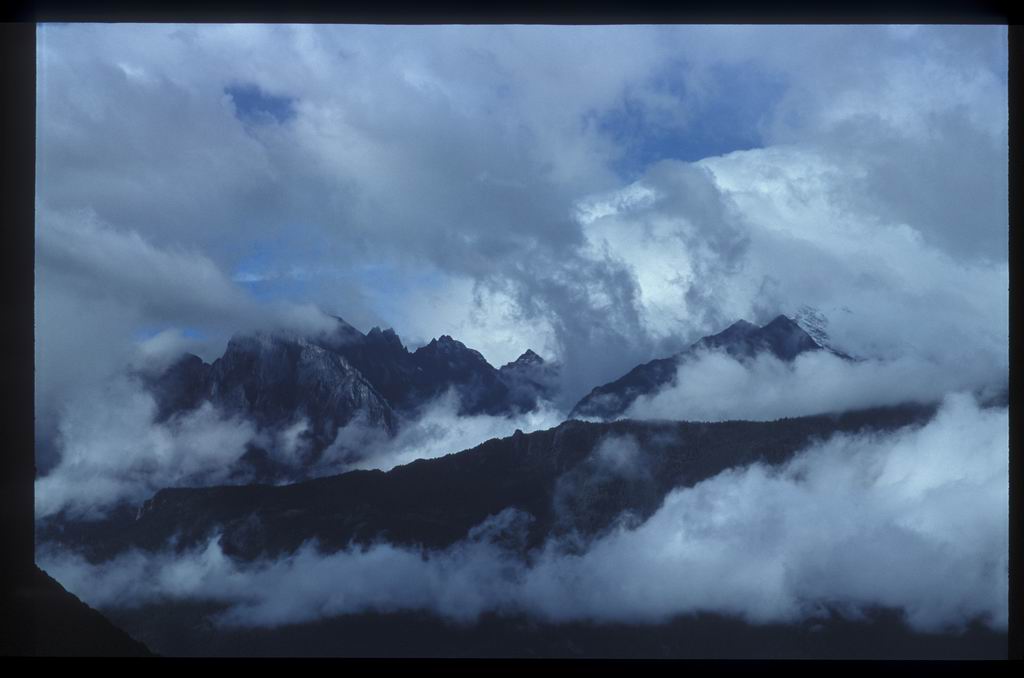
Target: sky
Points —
{"points": [[603, 195], [600, 194]]}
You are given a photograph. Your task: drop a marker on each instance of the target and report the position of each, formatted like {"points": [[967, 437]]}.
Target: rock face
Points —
{"points": [[782, 338], [278, 380]]}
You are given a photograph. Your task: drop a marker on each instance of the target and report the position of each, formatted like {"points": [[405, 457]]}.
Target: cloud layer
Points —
{"points": [[914, 520], [436, 431], [718, 387], [112, 450], [443, 179]]}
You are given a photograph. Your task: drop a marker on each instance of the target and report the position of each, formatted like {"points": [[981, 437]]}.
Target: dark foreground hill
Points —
{"points": [[184, 629], [44, 620]]}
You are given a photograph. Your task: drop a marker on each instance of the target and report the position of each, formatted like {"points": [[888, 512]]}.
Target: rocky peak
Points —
{"points": [[450, 349], [386, 337], [527, 359], [786, 339]]}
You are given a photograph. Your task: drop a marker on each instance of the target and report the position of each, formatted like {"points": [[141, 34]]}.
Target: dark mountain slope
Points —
{"points": [[278, 379], [553, 475]]}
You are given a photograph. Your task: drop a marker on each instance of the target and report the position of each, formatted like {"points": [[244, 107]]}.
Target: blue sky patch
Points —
{"points": [[254, 106], [729, 119]]}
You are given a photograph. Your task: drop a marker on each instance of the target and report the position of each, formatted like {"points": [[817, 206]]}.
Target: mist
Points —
{"points": [[112, 450], [914, 520], [436, 430], [714, 386]]}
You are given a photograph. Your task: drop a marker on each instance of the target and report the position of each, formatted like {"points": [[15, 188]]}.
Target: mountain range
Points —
{"points": [[279, 379], [559, 482]]}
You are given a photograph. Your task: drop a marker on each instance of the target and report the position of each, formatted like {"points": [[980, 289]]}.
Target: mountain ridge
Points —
{"points": [[782, 337], [279, 378], [555, 476]]}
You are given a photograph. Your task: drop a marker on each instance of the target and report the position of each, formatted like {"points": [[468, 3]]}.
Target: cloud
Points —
{"points": [[463, 153], [435, 431], [98, 287], [111, 451], [915, 520], [714, 386]]}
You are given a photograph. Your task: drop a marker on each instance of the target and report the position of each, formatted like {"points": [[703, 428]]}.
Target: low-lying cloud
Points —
{"points": [[714, 386], [437, 430], [915, 520], [113, 450]]}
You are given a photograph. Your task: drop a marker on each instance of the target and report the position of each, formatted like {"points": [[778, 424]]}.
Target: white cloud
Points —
{"points": [[112, 451], [714, 386], [97, 287], [479, 156], [437, 430], [395, 126]]}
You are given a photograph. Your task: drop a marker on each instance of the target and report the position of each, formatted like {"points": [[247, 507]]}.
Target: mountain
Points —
{"points": [[530, 378], [782, 338], [559, 481], [815, 323], [276, 380], [279, 379]]}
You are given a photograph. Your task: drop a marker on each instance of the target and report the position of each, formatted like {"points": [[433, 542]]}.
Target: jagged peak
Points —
{"points": [[445, 342], [446, 345], [528, 359], [387, 336]]}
